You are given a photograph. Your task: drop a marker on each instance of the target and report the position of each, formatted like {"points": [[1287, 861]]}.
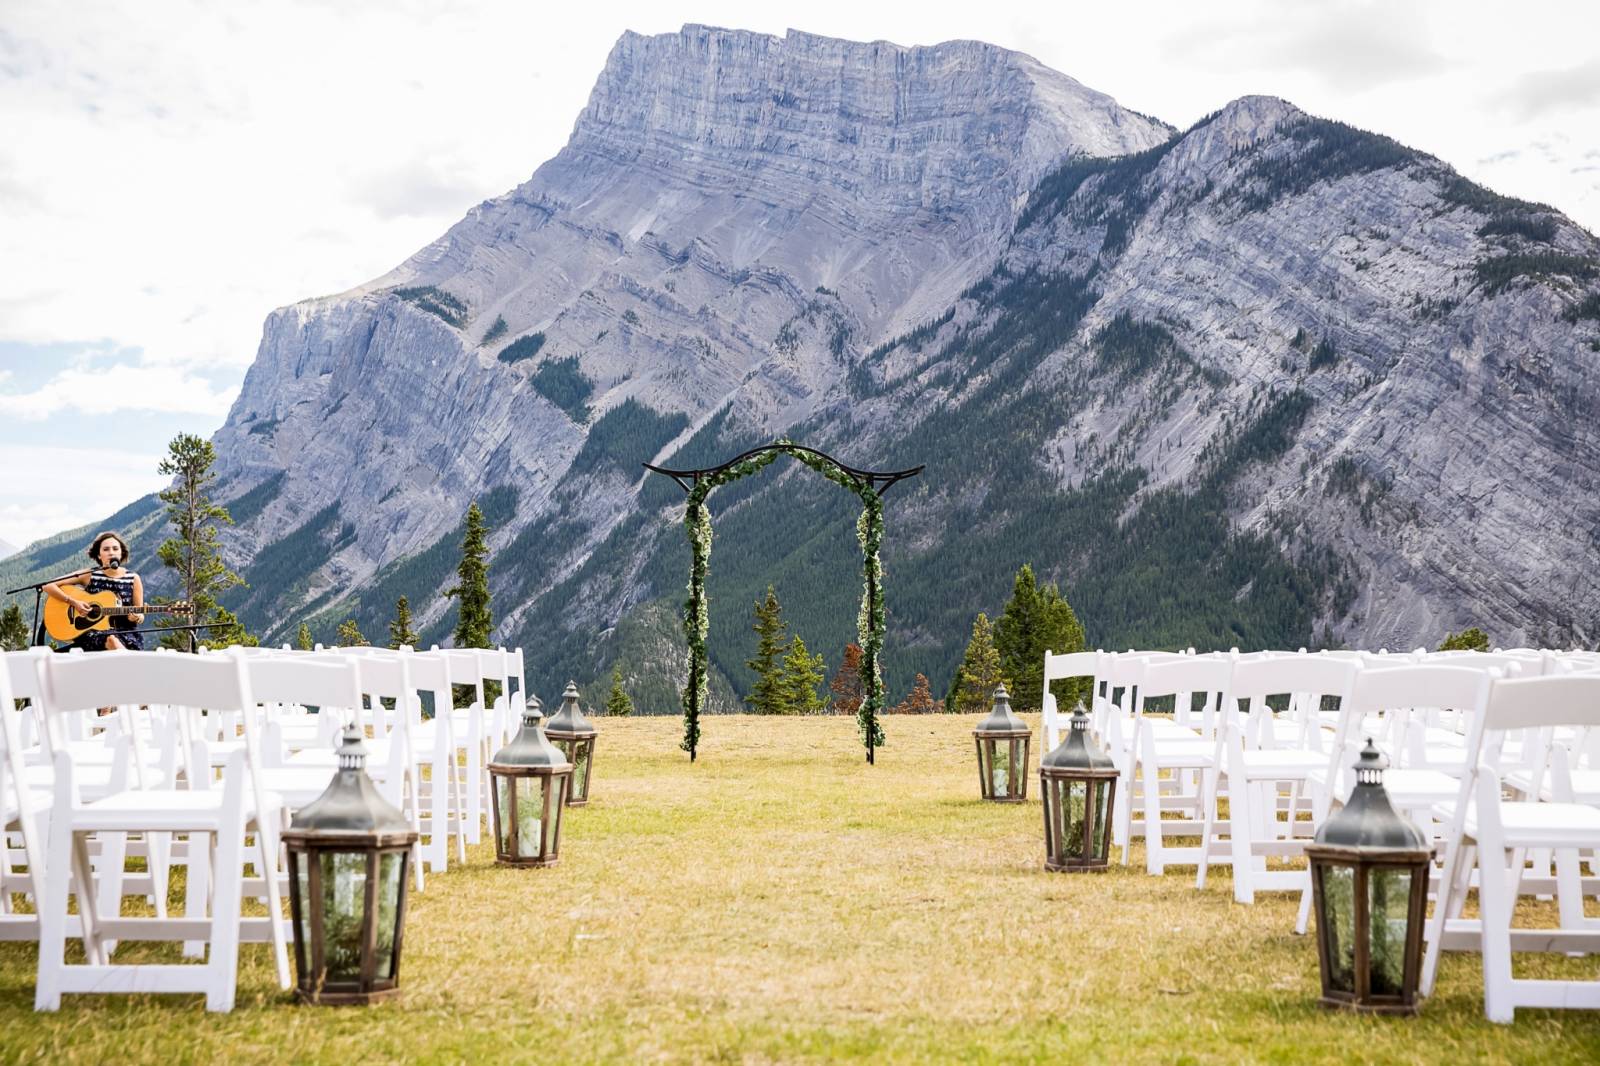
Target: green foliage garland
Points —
{"points": [[870, 620]]}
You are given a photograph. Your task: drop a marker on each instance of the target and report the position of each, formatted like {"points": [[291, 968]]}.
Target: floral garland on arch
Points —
{"points": [[870, 619]]}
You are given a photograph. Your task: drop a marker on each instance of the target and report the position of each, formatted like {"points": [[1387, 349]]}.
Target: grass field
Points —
{"points": [[781, 901]]}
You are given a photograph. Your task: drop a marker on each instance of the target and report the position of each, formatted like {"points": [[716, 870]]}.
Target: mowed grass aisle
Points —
{"points": [[782, 901]]}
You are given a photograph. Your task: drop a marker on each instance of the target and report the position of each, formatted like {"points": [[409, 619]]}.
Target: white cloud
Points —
{"points": [[108, 391], [102, 481]]}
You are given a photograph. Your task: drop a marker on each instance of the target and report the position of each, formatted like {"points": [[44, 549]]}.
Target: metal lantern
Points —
{"points": [[574, 734], [1003, 752], [1369, 873], [349, 850], [530, 787], [1079, 785]]}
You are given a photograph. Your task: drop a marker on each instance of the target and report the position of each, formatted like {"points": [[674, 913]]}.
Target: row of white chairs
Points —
{"points": [[1492, 753], [201, 763]]}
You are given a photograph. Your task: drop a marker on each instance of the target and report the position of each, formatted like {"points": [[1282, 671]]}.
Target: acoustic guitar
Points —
{"points": [[63, 621]]}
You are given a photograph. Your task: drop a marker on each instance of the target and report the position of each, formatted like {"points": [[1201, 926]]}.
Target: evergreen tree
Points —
{"points": [[400, 631], [618, 702], [847, 687], [1018, 636], [920, 701], [980, 670], [1037, 619], [302, 639], [195, 551], [766, 695], [1473, 639], [13, 629], [797, 685], [1062, 633], [474, 623], [350, 635]]}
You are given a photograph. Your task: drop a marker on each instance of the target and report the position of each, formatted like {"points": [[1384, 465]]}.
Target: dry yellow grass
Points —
{"points": [[781, 901]]}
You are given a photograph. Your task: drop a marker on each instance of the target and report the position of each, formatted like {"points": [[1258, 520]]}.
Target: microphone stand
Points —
{"points": [[38, 598]]}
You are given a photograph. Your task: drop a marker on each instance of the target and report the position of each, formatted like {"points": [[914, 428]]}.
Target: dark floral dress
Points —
{"points": [[95, 639]]}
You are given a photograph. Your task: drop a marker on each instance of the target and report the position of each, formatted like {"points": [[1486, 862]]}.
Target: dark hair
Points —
{"points": [[94, 548]]}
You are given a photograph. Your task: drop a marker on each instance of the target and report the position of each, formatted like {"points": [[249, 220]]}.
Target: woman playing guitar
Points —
{"points": [[109, 553]]}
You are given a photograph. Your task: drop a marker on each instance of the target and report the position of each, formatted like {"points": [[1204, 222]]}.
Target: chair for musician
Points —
{"points": [[1484, 827], [225, 815]]}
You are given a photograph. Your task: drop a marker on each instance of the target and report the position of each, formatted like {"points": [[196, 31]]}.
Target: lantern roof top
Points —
{"points": [[1368, 820], [351, 804], [1077, 751], [1001, 722], [569, 722], [529, 749]]}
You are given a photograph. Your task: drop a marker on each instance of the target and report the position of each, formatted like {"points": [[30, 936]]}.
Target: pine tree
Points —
{"points": [[302, 639], [847, 687], [474, 623], [1037, 619], [797, 684], [1472, 639], [920, 701], [195, 552], [980, 670], [1018, 637], [350, 635], [1062, 633], [400, 631], [13, 629], [618, 702], [766, 695]]}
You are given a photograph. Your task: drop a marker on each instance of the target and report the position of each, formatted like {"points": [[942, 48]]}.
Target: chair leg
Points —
{"points": [[1496, 904], [1208, 800], [223, 963], [1241, 836], [1154, 858], [53, 918], [111, 870], [197, 887], [267, 845]]}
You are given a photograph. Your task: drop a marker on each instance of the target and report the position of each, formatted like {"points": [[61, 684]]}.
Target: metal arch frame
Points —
{"points": [[863, 478]]}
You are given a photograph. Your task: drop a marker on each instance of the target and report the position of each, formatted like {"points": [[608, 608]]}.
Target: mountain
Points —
{"points": [[1271, 380], [7, 549]]}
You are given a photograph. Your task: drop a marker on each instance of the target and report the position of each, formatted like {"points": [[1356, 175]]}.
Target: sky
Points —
{"points": [[171, 171]]}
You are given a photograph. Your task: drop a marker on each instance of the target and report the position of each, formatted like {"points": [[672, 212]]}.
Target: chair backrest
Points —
{"points": [[1543, 702], [326, 683], [1289, 674], [1184, 675], [123, 678], [1060, 667]]}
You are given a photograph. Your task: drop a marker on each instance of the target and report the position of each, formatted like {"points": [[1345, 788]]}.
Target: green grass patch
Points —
{"points": [[781, 901]]}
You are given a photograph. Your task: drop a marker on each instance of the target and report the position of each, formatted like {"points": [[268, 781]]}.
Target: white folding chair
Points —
{"points": [[1488, 826], [1257, 773], [130, 680], [1059, 668], [1172, 747]]}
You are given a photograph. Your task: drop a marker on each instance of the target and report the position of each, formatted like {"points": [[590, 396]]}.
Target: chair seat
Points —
{"points": [[1282, 763], [1409, 786], [161, 810], [1544, 825], [297, 786]]}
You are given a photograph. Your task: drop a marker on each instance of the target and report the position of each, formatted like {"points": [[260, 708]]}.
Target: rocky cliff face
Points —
{"points": [[1272, 380]]}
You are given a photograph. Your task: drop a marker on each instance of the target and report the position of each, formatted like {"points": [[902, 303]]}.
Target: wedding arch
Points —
{"points": [[869, 485]]}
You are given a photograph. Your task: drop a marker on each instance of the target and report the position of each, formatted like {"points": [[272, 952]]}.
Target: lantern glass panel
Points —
{"points": [[1339, 918], [1097, 843], [344, 907], [502, 806], [1000, 768], [530, 817], [1075, 801], [1389, 891]]}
